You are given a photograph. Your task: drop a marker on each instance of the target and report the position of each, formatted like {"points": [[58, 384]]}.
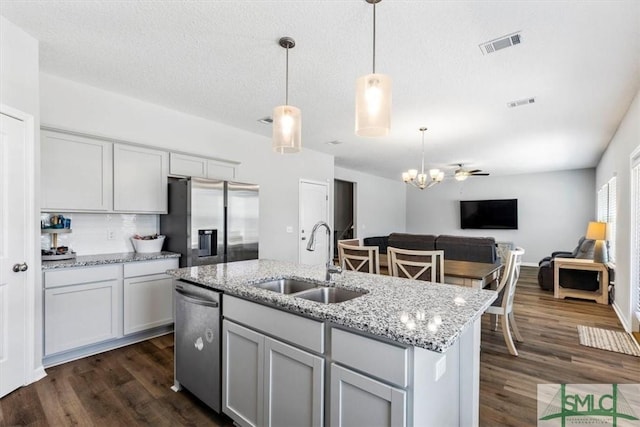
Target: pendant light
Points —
{"points": [[373, 97], [419, 180], [287, 120]]}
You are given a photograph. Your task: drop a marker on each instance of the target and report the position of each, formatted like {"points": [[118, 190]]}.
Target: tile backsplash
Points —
{"points": [[102, 233]]}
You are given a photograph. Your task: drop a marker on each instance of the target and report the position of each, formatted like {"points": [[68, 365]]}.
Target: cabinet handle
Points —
{"points": [[197, 301]]}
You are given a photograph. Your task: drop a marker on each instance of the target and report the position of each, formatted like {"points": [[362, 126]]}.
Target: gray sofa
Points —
{"points": [[459, 248]]}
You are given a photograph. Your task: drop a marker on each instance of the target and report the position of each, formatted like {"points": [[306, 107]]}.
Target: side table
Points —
{"points": [[600, 296]]}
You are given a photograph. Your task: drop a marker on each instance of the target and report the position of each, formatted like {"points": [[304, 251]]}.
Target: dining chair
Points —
{"points": [[348, 242], [416, 265], [359, 258], [503, 305]]}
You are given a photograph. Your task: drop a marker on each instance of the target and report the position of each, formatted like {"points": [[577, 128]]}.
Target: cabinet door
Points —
{"points": [[242, 374], [294, 381], [80, 315], [76, 173], [148, 302], [220, 170], [184, 165], [140, 179], [357, 400]]}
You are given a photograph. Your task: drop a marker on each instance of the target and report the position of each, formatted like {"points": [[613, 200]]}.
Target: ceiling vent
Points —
{"points": [[500, 43], [334, 142], [266, 120], [520, 102]]}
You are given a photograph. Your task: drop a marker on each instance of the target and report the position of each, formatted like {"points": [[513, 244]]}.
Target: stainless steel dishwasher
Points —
{"points": [[197, 343]]}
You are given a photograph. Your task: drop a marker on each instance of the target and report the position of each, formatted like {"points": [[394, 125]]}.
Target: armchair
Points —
{"points": [[575, 279]]}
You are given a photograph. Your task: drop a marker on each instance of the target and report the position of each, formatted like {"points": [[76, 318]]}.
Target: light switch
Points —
{"points": [[289, 229]]}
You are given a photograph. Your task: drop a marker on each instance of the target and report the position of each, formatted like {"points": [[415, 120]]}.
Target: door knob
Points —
{"points": [[20, 267]]}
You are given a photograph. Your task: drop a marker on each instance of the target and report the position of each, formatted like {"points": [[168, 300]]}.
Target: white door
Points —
{"points": [[13, 253], [314, 202]]}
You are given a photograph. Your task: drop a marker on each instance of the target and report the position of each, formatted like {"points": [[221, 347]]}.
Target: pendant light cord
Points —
{"points": [[422, 153], [286, 91], [374, 38]]}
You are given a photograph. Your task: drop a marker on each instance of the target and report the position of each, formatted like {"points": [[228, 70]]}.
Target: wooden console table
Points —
{"points": [[601, 295]]}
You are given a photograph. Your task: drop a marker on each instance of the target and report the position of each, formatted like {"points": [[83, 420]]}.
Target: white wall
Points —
{"points": [[554, 209], [78, 107], [380, 203], [617, 161], [19, 81]]}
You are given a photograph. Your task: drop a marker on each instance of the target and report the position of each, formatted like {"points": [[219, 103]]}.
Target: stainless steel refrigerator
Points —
{"points": [[210, 221]]}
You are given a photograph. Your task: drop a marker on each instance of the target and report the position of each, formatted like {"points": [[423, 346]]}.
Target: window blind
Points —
{"points": [[602, 204], [611, 218], [635, 229]]}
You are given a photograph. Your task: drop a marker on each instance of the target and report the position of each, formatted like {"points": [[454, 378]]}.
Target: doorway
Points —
{"points": [[313, 207], [343, 212], [17, 259]]}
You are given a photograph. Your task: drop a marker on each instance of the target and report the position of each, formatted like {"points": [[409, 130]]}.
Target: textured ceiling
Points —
{"points": [[220, 60]]}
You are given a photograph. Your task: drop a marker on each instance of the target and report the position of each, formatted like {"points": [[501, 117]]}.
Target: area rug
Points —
{"points": [[605, 339]]}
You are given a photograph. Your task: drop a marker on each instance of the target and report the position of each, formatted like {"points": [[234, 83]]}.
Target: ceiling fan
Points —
{"points": [[461, 173]]}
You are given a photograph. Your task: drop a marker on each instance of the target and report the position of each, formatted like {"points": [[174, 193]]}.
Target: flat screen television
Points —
{"points": [[489, 214]]}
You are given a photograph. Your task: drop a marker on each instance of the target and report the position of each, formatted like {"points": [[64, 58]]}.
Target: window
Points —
{"points": [[606, 212], [635, 228]]}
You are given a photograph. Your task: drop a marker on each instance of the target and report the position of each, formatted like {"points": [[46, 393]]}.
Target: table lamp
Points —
{"points": [[598, 231]]}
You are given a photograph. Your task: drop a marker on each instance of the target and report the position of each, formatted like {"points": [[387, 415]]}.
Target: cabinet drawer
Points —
{"points": [[295, 329], [142, 268], [382, 360], [72, 276]]}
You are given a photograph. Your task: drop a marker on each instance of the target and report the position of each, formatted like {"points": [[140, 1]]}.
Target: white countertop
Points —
{"points": [[422, 314]]}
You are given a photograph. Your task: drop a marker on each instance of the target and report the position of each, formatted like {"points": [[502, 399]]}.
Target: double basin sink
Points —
{"points": [[309, 290]]}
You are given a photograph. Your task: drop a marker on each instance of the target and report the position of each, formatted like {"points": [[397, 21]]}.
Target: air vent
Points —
{"points": [[520, 102], [500, 43], [266, 120], [334, 142]]}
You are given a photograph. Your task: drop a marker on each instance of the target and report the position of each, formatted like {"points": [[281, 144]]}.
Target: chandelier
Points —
{"points": [[420, 180]]}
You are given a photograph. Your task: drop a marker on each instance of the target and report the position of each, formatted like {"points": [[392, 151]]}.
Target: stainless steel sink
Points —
{"points": [[329, 295], [286, 286]]}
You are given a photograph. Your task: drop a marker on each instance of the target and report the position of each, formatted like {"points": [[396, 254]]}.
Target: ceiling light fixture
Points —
{"points": [[287, 121], [373, 97], [419, 180]]}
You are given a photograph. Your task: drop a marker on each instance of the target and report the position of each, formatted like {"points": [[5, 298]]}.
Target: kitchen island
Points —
{"points": [[403, 353]]}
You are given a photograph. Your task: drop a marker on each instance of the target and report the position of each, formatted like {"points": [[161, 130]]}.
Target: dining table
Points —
{"points": [[477, 275]]}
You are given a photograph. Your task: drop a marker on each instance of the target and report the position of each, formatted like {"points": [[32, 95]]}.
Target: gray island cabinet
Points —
{"points": [[403, 354]]}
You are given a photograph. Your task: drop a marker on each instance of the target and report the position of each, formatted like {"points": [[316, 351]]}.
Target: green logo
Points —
{"points": [[586, 404]]}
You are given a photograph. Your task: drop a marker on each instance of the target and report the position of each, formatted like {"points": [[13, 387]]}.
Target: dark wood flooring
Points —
{"points": [[130, 386]]}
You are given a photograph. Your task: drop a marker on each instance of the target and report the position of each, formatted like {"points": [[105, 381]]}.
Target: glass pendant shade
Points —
{"points": [[405, 177], [287, 129], [413, 173], [461, 176], [373, 105]]}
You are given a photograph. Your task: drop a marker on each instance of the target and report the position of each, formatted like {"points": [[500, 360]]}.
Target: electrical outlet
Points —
{"points": [[111, 235], [289, 229]]}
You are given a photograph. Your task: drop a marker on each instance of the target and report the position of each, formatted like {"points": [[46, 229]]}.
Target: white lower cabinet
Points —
{"points": [[148, 302], [148, 295], [242, 374], [269, 383], [358, 400], [82, 311]]}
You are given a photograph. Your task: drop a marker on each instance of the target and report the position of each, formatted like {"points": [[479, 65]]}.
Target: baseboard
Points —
{"points": [[90, 350], [530, 264], [625, 324], [38, 374]]}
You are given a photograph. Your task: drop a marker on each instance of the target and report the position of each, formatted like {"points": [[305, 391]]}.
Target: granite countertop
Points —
{"points": [[427, 315], [103, 259]]}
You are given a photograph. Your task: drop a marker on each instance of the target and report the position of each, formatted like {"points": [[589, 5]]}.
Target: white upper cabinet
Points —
{"points": [[200, 167], [183, 165], [76, 173], [139, 179]]}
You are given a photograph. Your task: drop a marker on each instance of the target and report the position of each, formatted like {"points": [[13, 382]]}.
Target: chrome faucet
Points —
{"points": [[311, 246]]}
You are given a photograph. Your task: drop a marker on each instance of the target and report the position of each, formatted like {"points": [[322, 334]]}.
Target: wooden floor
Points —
{"points": [[130, 386]]}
